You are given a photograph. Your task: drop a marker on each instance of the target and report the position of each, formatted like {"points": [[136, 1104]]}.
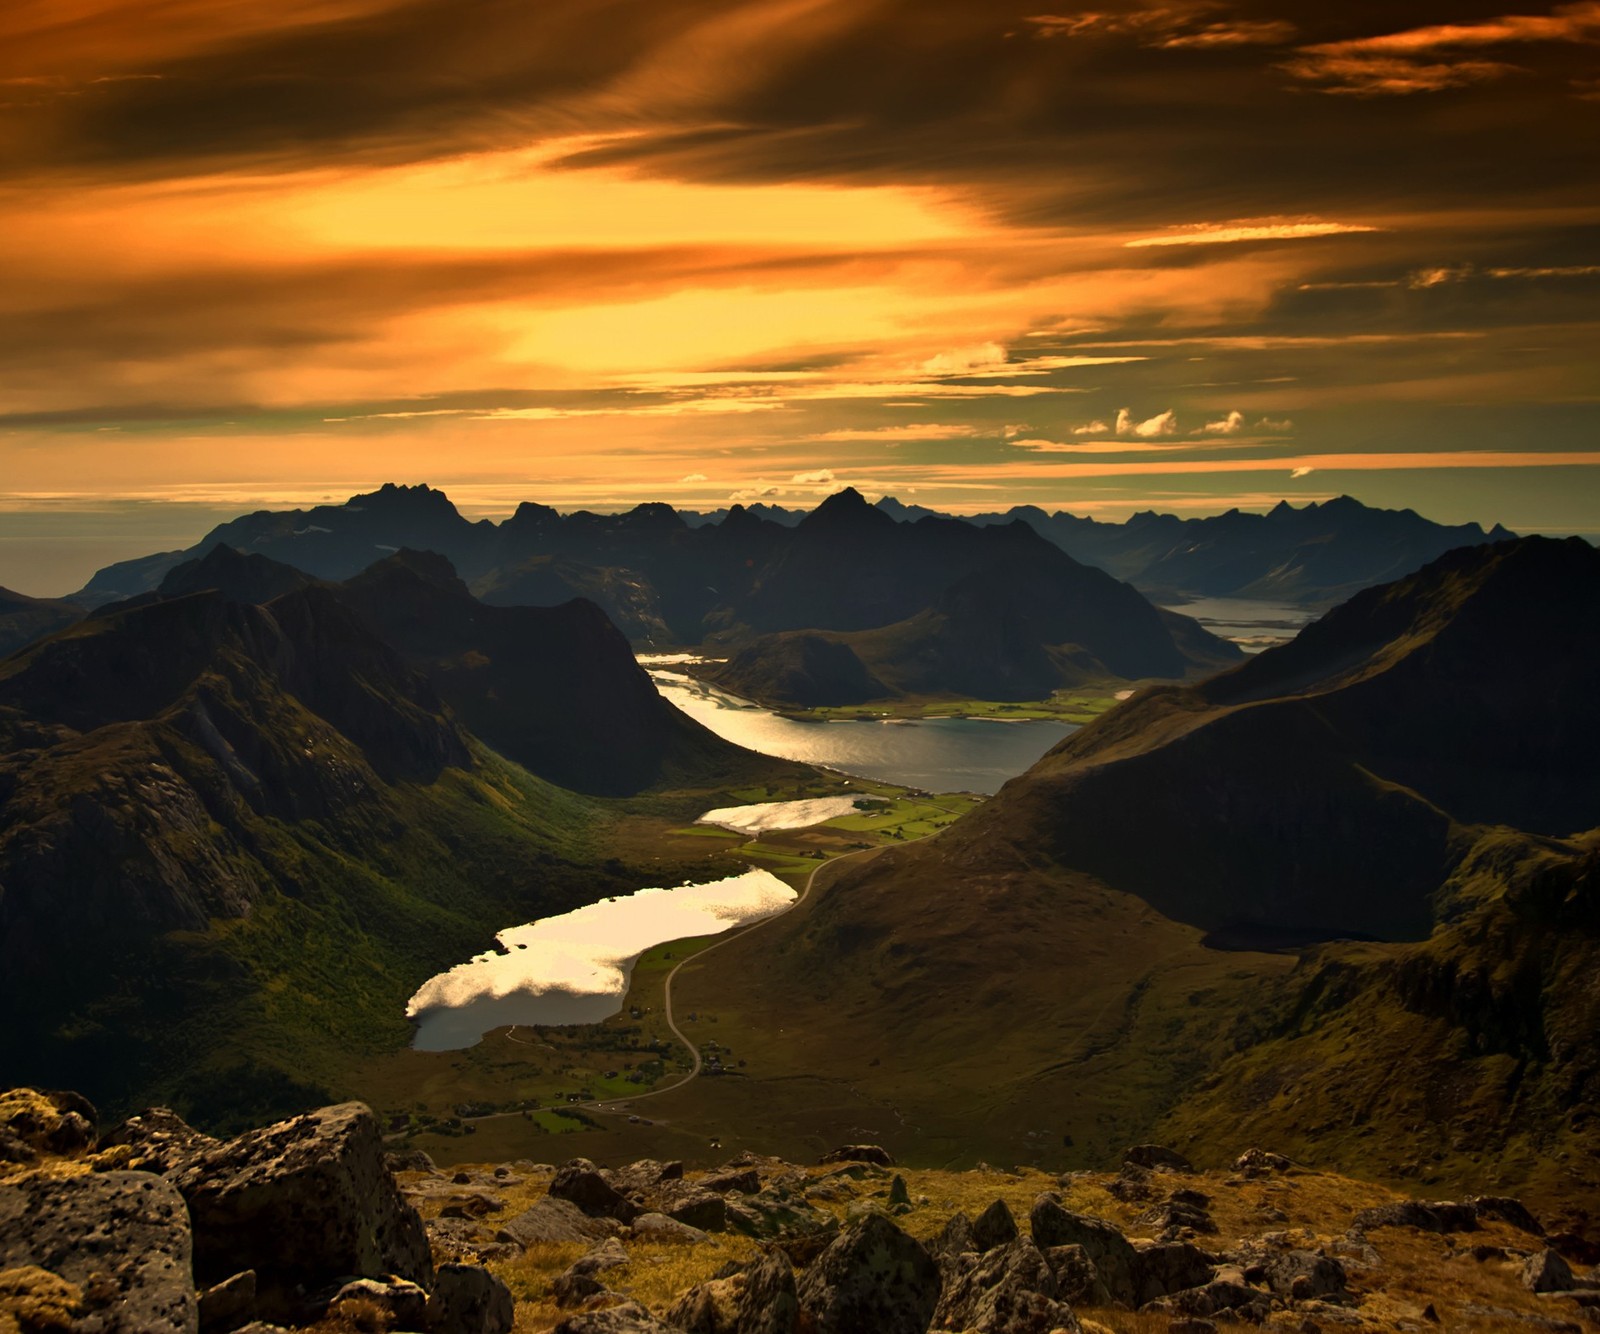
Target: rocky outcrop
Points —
{"points": [[1011, 1289], [303, 1203], [1156, 1157], [872, 1277], [1259, 1162], [159, 1140], [994, 1227], [552, 1220], [1438, 1216], [1113, 1256], [582, 1278], [859, 1153], [581, 1183], [628, 1318], [122, 1239], [1548, 1272]]}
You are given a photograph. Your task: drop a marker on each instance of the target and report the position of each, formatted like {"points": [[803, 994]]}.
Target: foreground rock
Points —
{"points": [[1010, 1290], [760, 1300], [872, 1277], [121, 1238], [303, 1203]]}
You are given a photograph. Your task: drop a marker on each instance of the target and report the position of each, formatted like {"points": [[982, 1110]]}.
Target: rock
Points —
{"points": [[227, 1305], [467, 1299], [581, 1280], [1170, 1267], [658, 1227], [1239, 1301], [1305, 1276], [304, 1203], [899, 1194], [1258, 1162], [405, 1303], [549, 1220], [1523, 1319], [581, 1183], [33, 1299], [59, 1123], [1113, 1256], [473, 1205], [687, 1203], [1011, 1290], [409, 1160], [1173, 1215], [957, 1237], [1132, 1185], [744, 1181], [1157, 1158], [1190, 1326], [1439, 1216], [759, 1300], [872, 1277], [994, 1227], [859, 1153], [122, 1237], [161, 1140], [776, 1215], [1547, 1272], [628, 1318], [1077, 1281], [643, 1176], [1508, 1210]]}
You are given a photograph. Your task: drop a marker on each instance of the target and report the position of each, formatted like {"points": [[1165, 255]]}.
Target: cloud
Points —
{"points": [[965, 360], [913, 431], [1163, 423], [1278, 427], [1263, 229], [1424, 60], [1092, 428], [1169, 28], [693, 477], [1303, 471], [1232, 424], [817, 477]]}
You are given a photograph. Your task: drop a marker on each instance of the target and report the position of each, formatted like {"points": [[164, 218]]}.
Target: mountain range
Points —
{"points": [[244, 816]]}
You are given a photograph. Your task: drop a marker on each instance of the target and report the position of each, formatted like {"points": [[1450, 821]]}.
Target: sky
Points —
{"points": [[1178, 256]]}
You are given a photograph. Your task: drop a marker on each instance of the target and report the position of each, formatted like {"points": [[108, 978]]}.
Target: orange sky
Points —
{"points": [[595, 251]]}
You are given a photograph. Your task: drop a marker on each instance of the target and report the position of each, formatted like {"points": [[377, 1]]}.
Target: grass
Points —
{"points": [[1066, 706]]}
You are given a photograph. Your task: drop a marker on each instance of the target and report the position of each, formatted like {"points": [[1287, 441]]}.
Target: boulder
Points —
{"points": [[1170, 1267], [1237, 1300], [227, 1305], [1132, 1184], [776, 1215], [1259, 1162], [554, 1220], [1157, 1158], [957, 1237], [467, 1299], [759, 1300], [44, 1122], [744, 1181], [899, 1193], [1547, 1272], [161, 1140], [581, 1279], [304, 1203], [1113, 1256], [404, 1303], [409, 1160], [123, 1238], [872, 1277], [628, 1318], [687, 1203], [1438, 1216], [1077, 1281], [581, 1183], [859, 1153], [1179, 1212], [1305, 1276], [994, 1227], [643, 1176], [660, 1228], [1011, 1290], [1508, 1210]]}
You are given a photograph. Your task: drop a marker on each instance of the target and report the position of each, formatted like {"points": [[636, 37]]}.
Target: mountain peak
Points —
{"points": [[846, 509], [395, 498]]}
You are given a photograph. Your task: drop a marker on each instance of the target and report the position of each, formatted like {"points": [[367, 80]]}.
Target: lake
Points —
{"points": [[1249, 622], [574, 968], [935, 754]]}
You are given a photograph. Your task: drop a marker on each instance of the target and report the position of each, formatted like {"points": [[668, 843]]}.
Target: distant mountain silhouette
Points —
{"points": [[25, 620], [1027, 624], [1316, 554]]}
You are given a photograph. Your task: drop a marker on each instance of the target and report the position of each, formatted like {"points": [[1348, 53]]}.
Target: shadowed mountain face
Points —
{"points": [[1405, 781], [1317, 787]]}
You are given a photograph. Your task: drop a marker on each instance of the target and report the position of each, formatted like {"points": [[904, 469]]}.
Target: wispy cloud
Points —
{"points": [[1425, 59], [1252, 229], [1171, 27]]}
